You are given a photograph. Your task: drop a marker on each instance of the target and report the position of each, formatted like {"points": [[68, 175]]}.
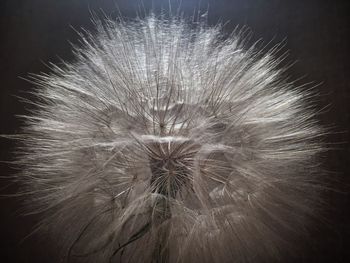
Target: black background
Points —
{"points": [[35, 32]]}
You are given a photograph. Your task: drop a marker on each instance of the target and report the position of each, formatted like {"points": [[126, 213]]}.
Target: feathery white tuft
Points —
{"points": [[167, 142]]}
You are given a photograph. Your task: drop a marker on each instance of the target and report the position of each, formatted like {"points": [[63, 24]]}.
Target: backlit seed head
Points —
{"points": [[168, 142]]}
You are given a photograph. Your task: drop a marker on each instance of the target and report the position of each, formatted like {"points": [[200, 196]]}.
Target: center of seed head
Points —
{"points": [[170, 161]]}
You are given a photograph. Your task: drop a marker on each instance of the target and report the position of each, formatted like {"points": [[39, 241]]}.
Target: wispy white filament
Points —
{"points": [[167, 142]]}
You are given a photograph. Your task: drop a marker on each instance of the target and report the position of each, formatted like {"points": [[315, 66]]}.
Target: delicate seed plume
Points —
{"points": [[167, 142]]}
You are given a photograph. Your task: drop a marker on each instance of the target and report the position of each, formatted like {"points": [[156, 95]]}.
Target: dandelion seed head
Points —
{"points": [[165, 142]]}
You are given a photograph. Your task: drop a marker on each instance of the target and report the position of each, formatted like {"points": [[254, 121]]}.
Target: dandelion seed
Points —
{"points": [[165, 142]]}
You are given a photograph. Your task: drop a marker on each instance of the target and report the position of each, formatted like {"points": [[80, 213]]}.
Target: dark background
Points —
{"points": [[35, 32]]}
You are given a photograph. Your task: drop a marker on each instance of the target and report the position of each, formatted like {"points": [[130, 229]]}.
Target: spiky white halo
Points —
{"points": [[166, 142]]}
